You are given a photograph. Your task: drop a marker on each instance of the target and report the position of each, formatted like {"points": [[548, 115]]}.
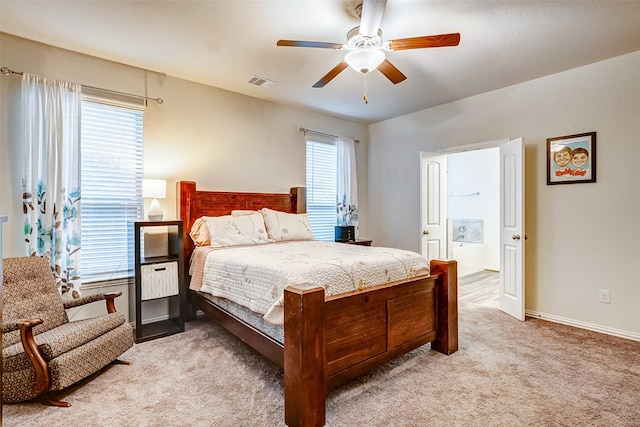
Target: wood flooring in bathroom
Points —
{"points": [[481, 288]]}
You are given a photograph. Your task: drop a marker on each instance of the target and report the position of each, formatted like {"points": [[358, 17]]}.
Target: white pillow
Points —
{"points": [[241, 212], [229, 230], [283, 226]]}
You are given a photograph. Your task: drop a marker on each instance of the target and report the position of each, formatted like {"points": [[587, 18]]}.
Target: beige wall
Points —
{"points": [[220, 139], [582, 237]]}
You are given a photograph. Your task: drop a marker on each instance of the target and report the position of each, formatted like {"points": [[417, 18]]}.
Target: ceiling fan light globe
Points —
{"points": [[365, 59]]}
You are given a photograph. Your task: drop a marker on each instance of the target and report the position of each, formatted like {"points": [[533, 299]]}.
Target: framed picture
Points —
{"points": [[571, 159]]}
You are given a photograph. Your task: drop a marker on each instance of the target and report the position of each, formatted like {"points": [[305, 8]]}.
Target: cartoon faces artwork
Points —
{"points": [[571, 159], [579, 158], [562, 158]]}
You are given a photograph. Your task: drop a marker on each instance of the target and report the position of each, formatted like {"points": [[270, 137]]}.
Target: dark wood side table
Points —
{"points": [[361, 242]]}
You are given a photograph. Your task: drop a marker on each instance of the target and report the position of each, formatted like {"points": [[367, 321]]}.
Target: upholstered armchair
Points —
{"points": [[42, 351]]}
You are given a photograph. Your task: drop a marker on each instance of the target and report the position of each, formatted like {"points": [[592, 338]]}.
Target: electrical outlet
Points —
{"points": [[603, 296]]}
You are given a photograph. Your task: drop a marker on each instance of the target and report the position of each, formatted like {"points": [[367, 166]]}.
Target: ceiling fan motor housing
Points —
{"points": [[355, 40]]}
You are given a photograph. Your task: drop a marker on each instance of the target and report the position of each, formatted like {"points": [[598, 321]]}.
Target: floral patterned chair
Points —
{"points": [[42, 351]]}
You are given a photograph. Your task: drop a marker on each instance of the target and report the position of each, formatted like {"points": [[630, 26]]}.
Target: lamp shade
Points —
{"points": [[365, 59], [154, 188]]}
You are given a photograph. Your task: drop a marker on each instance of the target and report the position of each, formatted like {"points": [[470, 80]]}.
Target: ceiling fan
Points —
{"points": [[366, 47]]}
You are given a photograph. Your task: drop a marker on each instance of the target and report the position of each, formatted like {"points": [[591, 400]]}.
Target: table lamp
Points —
{"points": [[154, 189]]}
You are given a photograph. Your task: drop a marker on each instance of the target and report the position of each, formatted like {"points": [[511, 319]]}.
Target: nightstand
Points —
{"points": [[361, 242], [159, 300]]}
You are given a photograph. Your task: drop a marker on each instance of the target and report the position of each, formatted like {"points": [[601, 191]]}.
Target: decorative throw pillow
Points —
{"points": [[229, 230], [282, 226], [200, 233]]}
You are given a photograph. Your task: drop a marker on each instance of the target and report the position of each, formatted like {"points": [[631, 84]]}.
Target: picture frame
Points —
{"points": [[571, 159]]}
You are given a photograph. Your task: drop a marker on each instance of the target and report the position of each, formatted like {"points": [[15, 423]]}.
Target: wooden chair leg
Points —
{"points": [[46, 399]]}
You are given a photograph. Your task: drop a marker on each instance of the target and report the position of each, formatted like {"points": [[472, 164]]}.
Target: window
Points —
{"points": [[111, 183], [321, 186]]}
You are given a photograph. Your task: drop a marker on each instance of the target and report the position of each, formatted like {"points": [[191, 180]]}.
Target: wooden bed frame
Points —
{"points": [[328, 341]]}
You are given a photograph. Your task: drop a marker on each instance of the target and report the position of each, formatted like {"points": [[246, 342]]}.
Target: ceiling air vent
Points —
{"points": [[260, 81]]}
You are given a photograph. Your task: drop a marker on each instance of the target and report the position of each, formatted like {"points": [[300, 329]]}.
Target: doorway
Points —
{"points": [[437, 229], [473, 223], [473, 210]]}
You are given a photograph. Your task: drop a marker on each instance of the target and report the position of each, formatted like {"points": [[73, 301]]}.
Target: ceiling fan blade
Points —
{"points": [[371, 17], [331, 74], [391, 72], [299, 43], [441, 40]]}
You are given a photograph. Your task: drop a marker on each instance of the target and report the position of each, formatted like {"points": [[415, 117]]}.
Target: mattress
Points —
{"points": [[255, 276]]}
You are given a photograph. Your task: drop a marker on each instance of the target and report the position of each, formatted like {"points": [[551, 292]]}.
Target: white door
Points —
{"points": [[434, 205], [512, 235]]}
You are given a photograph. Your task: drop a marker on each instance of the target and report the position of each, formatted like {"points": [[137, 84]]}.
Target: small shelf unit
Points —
{"points": [[158, 278]]}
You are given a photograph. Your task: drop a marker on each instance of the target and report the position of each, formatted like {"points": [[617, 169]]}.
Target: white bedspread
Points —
{"points": [[255, 276]]}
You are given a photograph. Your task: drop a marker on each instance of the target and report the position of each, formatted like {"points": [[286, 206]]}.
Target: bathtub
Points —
{"points": [[471, 257]]}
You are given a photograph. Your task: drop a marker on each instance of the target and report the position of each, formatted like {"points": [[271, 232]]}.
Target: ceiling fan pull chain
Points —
{"points": [[364, 95]]}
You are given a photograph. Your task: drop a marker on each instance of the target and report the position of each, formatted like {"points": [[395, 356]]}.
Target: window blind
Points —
{"points": [[321, 171], [111, 183]]}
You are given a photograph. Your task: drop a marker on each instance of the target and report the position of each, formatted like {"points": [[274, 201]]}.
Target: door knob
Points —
{"points": [[516, 237], [425, 232]]}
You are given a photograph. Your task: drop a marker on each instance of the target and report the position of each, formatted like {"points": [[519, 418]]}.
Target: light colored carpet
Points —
{"points": [[506, 373]]}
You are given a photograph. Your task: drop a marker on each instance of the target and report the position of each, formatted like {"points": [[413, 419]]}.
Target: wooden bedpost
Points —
{"points": [[298, 199], [305, 394], [447, 302], [185, 195]]}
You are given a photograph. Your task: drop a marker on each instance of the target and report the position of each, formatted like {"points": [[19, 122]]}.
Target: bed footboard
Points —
{"points": [[330, 342]]}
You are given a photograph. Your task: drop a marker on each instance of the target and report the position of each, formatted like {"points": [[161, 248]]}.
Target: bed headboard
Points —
{"points": [[192, 204]]}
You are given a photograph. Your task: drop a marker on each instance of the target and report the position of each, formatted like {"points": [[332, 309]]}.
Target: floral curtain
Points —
{"points": [[51, 181], [347, 183]]}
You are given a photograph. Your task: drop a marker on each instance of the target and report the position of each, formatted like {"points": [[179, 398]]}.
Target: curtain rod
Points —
{"points": [[7, 72], [305, 131]]}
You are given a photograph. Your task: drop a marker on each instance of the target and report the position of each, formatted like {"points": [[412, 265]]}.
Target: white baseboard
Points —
{"points": [[584, 325], [151, 320], [155, 319]]}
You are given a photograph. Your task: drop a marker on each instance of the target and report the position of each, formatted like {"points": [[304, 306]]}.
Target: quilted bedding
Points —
{"points": [[255, 276]]}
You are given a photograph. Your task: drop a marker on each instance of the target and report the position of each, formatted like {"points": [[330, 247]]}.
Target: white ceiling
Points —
{"points": [[225, 43]]}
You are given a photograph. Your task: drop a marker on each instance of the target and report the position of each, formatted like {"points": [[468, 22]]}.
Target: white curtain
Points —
{"points": [[51, 181], [347, 183]]}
